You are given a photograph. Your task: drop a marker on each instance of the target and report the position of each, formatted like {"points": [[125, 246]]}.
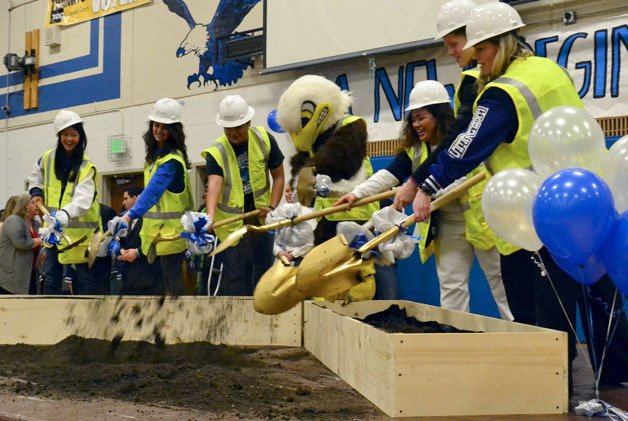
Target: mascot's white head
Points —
{"points": [[311, 105]]}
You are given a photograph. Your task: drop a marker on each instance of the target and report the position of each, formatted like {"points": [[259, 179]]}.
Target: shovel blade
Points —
{"points": [[311, 276], [231, 240], [276, 291], [97, 238], [71, 244]]}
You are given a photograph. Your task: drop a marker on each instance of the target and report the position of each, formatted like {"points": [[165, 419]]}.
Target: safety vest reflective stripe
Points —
{"points": [[231, 198], [526, 94], [162, 215]]}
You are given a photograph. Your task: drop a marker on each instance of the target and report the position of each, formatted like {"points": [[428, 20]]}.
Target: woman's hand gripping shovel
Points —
{"points": [[333, 267], [56, 231], [233, 238], [276, 290], [152, 250]]}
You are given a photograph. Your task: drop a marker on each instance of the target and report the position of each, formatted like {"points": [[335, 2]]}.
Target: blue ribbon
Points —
{"points": [[358, 241], [114, 247], [200, 236]]}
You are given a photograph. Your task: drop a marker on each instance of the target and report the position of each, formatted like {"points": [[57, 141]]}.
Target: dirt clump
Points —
{"points": [[261, 383]]}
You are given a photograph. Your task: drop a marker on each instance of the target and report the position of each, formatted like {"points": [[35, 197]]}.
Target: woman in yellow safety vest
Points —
{"points": [[64, 181], [167, 194], [428, 120], [514, 89]]}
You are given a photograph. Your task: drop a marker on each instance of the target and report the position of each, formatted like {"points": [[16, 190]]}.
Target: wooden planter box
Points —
{"points": [[510, 368], [47, 320]]}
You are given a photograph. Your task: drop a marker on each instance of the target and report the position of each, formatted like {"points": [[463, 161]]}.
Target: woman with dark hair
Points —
{"points": [[168, 194], [18, 247], [429, 120], [64, 181]]}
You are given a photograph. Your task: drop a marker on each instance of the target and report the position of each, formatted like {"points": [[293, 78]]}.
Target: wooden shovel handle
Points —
{"points": [[327, 211], [441, 201], [42, 208], [237, 218]]}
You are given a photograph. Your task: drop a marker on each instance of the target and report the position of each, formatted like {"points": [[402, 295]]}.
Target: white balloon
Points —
{"points": [[566, 137], [507, 202], [615, 173]]}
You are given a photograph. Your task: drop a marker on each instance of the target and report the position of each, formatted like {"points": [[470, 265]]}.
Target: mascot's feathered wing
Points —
{"points": [[329, 142]]}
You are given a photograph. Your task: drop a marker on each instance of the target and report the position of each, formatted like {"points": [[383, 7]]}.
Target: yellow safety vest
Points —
{"points": [[165, 216], [77, 227], [535, 85], [359, 213], [477, 231], [231, 199], [417, 157]]}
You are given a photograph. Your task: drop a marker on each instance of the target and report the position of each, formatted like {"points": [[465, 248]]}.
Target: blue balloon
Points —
{"points": [[615, 253], [586, 273], [273, 123], [573, 213]]}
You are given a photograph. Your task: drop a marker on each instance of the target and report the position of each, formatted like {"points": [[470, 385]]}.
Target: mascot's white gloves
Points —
{"points": [[62, 217]]}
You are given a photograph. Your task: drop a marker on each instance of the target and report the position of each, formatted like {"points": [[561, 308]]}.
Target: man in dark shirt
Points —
{"points": [[238, 168]]}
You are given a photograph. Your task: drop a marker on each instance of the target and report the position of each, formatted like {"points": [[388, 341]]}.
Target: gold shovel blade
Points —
{"points": [[151, 255], [231, 240], [311, 276], [94, 243], [276, 291]]}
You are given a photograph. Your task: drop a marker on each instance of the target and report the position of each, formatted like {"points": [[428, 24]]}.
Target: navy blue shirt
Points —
{"points": [[494, 121], [168, 176]]}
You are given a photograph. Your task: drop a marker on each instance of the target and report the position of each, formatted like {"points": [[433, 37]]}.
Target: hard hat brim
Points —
{"points": [[235, 123], [472, 42], [163, 120]]}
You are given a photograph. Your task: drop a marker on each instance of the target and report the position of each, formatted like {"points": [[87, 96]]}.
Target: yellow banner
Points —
{"points": [[69, 12]]}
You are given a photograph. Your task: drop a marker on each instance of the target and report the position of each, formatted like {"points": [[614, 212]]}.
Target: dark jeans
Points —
{"points": [[171, 268], [245, 263], [386, 285], [82, 283]]}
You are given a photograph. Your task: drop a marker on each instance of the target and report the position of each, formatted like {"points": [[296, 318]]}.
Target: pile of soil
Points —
{"points": [[267, 383], [395, 320]]}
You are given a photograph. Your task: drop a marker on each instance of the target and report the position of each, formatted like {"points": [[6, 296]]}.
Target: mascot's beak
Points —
{"points": [[314, 117]]}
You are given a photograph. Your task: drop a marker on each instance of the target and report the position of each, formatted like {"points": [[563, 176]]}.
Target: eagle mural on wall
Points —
{"points": [[202, 40]]}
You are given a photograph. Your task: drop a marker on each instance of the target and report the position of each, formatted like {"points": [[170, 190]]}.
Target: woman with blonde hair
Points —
{"points": [[19, 245]]}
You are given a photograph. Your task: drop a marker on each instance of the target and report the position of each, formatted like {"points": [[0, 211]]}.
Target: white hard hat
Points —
{"points": [[427, 92], [453, 15], [65, 119], [490, 20], [233, 111], [166, 111]]}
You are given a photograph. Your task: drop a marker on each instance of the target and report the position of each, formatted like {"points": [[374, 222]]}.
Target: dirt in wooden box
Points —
{"points": [[267, 383]]}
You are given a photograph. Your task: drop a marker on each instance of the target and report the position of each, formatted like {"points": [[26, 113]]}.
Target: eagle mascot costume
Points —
{"points": [[330, 142]]}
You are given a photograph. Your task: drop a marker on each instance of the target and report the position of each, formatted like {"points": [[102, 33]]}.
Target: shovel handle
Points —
{"points": [[327, 211], [42, 208], [236, 218], [441, 201]]}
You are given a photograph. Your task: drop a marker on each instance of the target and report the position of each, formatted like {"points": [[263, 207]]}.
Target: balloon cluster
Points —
{"points": [[575, 203]]}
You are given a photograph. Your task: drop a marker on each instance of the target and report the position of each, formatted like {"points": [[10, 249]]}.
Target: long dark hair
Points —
{"points": [[178, 143], [76, 158], [444, 119]]}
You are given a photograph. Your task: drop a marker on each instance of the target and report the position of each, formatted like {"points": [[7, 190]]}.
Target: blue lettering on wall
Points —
{"points": [[540, 45], [619, 35], [599, 48], [394, 100], [343, 82]]}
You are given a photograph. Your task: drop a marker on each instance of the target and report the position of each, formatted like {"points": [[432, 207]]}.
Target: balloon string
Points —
{"points": [[588, 316], [607, 341], [571, 326]]}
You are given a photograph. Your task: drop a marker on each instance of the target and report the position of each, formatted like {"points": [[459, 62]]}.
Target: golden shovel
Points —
{"points": [[276, 290], [333, 267], [71, 244], [152, 250], [233, 238]]}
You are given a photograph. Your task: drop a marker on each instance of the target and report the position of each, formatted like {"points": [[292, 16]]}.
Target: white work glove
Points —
{"points": [[62, 217], [402, 245], [118, 227]]}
